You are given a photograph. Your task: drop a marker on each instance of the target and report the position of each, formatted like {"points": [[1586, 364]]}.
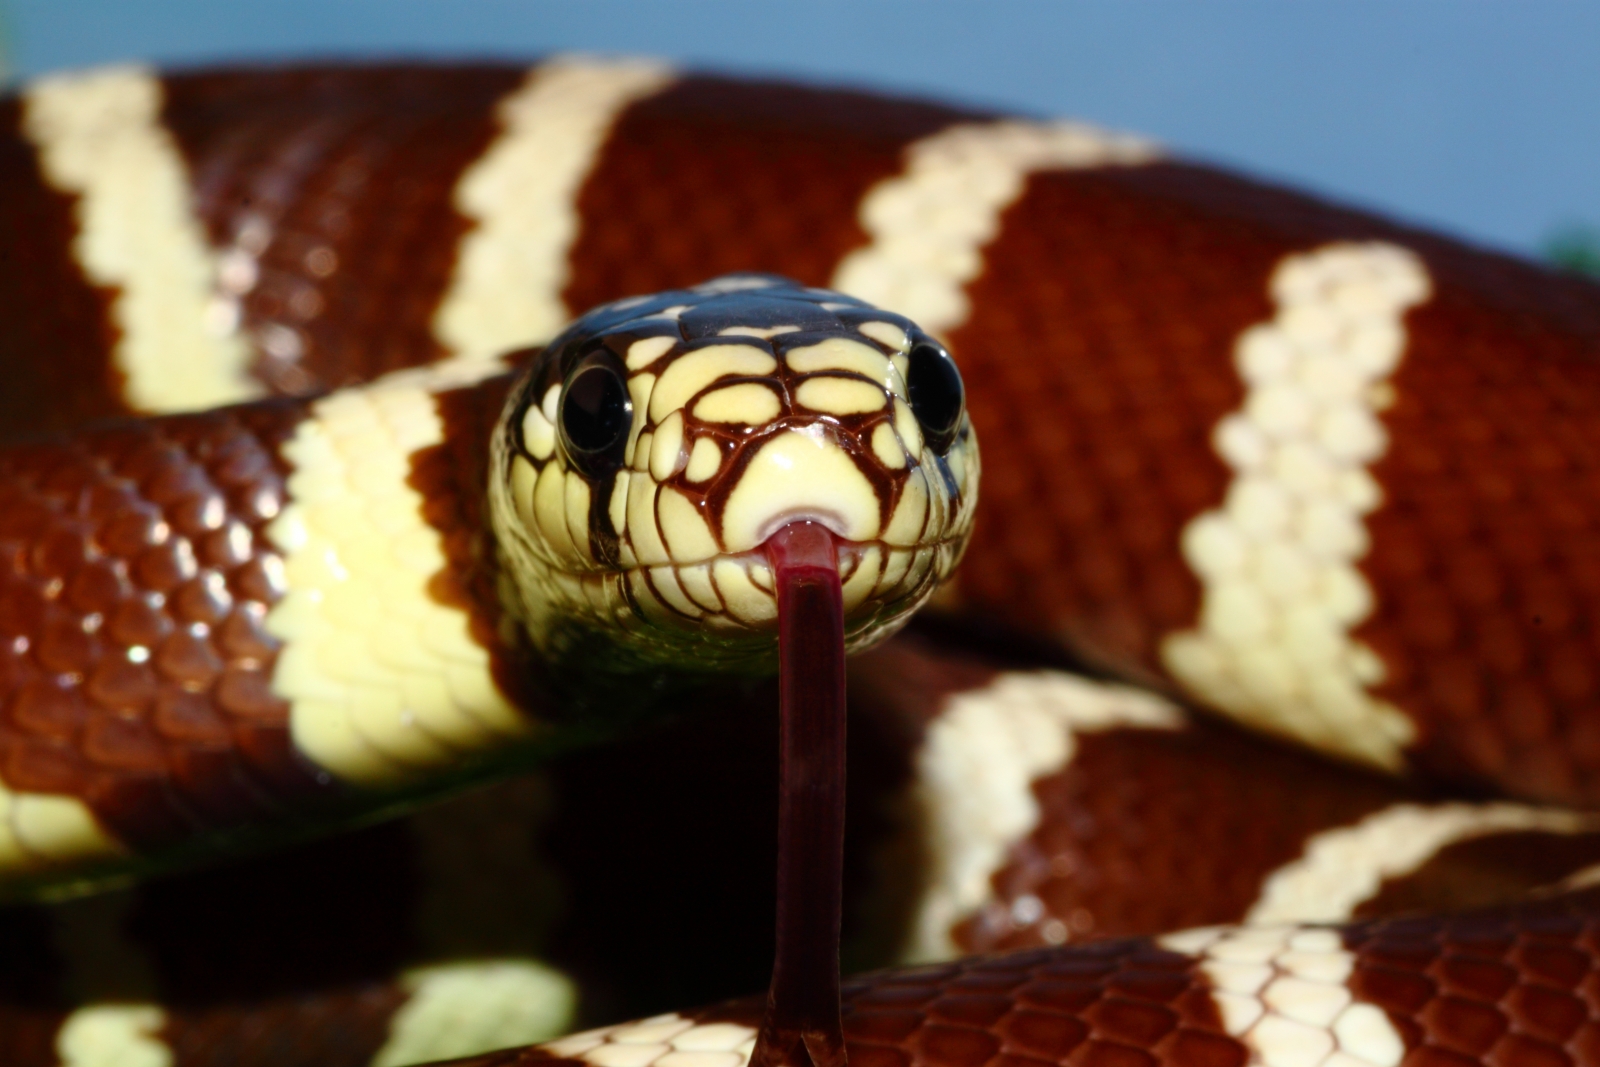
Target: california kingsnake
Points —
{"points": [[1335, 488]]}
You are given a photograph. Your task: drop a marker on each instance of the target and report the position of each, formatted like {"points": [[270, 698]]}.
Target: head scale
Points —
{"points": [[654, 446]]}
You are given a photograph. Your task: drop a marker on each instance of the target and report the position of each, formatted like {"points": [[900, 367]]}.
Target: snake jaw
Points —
{"points": [[656, 444]]}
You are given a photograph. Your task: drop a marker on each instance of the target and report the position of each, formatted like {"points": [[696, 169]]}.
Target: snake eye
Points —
{"points": [[936, 394], [596, 413]]}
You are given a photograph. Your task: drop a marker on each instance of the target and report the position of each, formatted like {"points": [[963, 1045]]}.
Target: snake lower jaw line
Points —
{"points": [[735, 592]]}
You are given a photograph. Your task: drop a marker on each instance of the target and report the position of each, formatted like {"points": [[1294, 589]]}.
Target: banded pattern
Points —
{"points": [[524, 898], [1509, 986], [384, 680], [1077, 249], [1105, 811], [162, 567], [1180, 326]]}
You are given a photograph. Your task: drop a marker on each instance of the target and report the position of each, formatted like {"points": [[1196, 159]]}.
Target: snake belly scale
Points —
{"points": [[1295, 464]]}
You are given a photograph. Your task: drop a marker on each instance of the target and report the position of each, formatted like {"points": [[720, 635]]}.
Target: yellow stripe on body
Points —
{"points": [[975, 775], [114, 1035], [661, 1041], [117, 1023], [39, 831], [384, 682], [1281, 592], [99, 137], [523, 193], [930, 224], [1342, 868], [1283, 991], [485, 904], [469, 1007]]}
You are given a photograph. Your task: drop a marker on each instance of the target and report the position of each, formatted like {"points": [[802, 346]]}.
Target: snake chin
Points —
{"points": [[723, 610]]}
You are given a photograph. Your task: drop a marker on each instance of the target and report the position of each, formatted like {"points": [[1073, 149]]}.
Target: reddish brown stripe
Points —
{"points": [[55, 330], [292, 958], [1154, 830], [1510, 988], [452, 478], [349, 173], [907, 681], [715, 175], [1080, 512], [1204, 812], [146, 535], [1485, 870], [1113, 1004], [1489, 591], [330, 914], [343, 1028], [1114, 299], [315, 940], [32, 1001]]}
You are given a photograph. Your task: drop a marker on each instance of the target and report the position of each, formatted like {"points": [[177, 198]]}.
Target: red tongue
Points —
{"points": [[801, 1028]]}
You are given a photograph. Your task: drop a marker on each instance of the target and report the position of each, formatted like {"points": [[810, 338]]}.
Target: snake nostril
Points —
{"points": [[596, 413], [936, 394]]}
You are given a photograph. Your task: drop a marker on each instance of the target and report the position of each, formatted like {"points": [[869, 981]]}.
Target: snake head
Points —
{"points": [[655, 445]]}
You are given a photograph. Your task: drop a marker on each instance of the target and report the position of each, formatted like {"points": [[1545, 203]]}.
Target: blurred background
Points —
{"points": [[1478, 117]]}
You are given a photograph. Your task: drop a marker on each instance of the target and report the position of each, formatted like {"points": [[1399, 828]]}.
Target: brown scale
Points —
{"points": [[1112, 1004], [135, 670], [1134, 282], [319, 973], [1152, 830], [1204, 808], [690, 183], [339, 181], [1080, 513], [1141, 262], [54, 329], [1510, 987], [1152, 273], [1485, 598], [1489, 607], [343, 1028], [1515, 988], [1485, 870]]}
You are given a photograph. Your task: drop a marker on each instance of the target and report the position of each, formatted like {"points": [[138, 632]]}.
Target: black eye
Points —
{"points": [[936, 393], [596, 414]]}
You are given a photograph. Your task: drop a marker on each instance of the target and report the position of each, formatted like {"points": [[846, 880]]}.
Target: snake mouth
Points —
{"points": [[735, 591]]}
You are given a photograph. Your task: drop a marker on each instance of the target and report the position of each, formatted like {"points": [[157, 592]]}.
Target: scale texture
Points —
{"points": [[1263, 455]]}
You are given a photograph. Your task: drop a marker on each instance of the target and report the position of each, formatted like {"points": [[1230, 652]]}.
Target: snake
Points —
{"points": [[377, 432]]}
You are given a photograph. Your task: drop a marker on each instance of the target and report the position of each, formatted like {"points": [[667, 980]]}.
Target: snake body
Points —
{"points": [[1320, 472]]}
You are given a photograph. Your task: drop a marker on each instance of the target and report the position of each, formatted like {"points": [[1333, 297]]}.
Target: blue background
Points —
{"points": [[1478, 117]]}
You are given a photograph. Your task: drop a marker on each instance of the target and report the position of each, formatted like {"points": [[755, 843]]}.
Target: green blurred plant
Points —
{"points": [[1575, 247]]}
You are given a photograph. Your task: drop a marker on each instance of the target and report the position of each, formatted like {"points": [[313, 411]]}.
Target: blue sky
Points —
{"points": [[1478, 117]]}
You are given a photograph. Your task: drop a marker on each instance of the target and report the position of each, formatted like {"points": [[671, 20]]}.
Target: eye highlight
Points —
{"points": [[595, 414], [936, 394]]}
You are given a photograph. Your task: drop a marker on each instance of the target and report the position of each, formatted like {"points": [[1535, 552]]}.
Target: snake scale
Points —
{"points": [[1243, 451]]}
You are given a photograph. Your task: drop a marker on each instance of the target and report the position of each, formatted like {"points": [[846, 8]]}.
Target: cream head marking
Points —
{"points": [[657, 443]]}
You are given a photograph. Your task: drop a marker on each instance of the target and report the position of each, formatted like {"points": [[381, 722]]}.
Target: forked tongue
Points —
{"points": [[801, 1027]]}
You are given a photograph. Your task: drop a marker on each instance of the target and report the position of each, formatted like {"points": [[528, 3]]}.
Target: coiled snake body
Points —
{"points": [[1325, 474]]}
